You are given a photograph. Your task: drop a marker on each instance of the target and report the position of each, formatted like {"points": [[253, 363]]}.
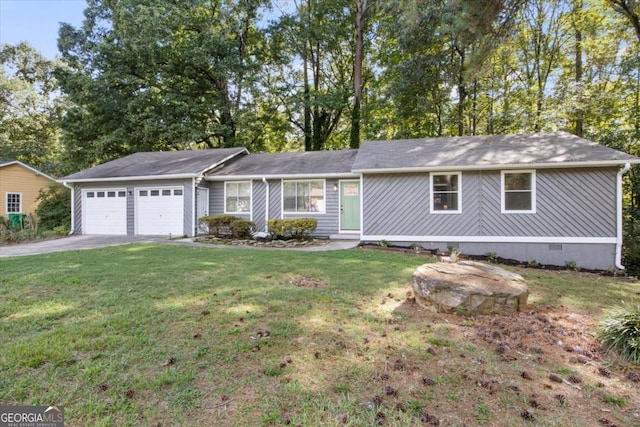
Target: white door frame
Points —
{"points": [[202, 207]]}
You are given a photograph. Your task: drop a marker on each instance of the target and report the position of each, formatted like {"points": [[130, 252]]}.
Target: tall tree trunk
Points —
{"points": [[462, 93], [474, 108], [307, 103], [579, 119], [361, 8], [308, 132]]}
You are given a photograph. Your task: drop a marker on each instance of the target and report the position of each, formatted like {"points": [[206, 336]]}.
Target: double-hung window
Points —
{"points": [[303, 196], [237, 197], [14, 203], [445, 192], [518, 192]]}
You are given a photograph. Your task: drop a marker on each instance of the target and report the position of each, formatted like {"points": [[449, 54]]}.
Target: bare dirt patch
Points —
{"points": [[305, 281]]}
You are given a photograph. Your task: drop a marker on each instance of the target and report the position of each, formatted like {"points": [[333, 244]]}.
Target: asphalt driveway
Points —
{"points": [[74, 243]]}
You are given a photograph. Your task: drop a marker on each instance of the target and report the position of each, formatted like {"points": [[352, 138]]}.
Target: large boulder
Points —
{"points": [[469, 287]]}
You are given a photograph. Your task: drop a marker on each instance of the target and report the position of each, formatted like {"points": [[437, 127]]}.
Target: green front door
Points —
{"points": [[349, 205]]}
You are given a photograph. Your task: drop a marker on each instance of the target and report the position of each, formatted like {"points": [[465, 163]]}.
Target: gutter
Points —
{"points": [[619, 230], [453, 167], [229, 177], [73, 206], [194, 219], [266, 207], [136, 178]]}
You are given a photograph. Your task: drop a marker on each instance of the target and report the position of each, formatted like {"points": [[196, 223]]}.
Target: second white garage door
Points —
{"points": [[160, 211]]}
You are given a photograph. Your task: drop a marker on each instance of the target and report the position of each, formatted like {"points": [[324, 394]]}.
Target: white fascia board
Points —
{"points": [[132, 178], [492, 239], [446, 168], [292, 176], [32, 169]]}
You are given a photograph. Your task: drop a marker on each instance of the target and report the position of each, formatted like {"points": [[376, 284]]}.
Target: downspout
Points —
{"points": [[266, 207], [73, 207], [619, 229], [194, 220]]}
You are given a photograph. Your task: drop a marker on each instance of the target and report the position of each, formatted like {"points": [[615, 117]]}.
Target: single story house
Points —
{"points": [[549, 197], [20, 185]]}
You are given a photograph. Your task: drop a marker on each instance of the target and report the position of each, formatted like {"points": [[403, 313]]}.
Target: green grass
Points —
{"points": [[183, 336]]}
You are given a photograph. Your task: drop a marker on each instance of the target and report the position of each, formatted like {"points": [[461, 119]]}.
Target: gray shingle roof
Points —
{"points": [[283, 164], [548, 149], [158, 164]]}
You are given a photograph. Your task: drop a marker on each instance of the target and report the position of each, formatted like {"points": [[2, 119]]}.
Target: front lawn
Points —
{"points": [[174, 335]]}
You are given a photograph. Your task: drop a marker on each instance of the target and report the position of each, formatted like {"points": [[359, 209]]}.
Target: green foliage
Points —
{"points": [[29, 107], [228, 226], [295, 228], [147, 76], [571, 265], [492, 257], [18, 228], [620, 331], [614, 400], [242, 228], [631, 249], [54, 207]]}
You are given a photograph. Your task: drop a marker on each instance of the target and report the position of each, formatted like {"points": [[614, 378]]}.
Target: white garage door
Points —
{"points": [[160, 211], [104, 211]]}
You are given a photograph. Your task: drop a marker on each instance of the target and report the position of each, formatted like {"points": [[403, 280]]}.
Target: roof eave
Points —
{"points": [[130, 178], [567, 165], [281, 176]]}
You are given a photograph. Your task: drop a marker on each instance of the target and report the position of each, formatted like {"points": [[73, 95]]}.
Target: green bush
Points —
{"points": [[631, 248], [228, 226], [294, 228], [620, 331], [242, 228], [54, 208], [16, 231]]}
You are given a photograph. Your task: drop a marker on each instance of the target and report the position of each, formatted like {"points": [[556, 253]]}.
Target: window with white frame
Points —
{"points": [[445, 192], [237, 197], [14, 203], [303, 196], [518, 192]]}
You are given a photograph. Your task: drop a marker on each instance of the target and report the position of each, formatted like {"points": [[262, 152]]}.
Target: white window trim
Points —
{"points": [[533, 192], [431, 199], [6, 202], [324, 189], [250, 198]]}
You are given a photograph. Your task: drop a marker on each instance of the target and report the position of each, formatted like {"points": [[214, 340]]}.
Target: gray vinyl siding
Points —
{"points": [[258, 199], [275, 199], [77, 212], [188, 195], [216, 198], [570, 203]]}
